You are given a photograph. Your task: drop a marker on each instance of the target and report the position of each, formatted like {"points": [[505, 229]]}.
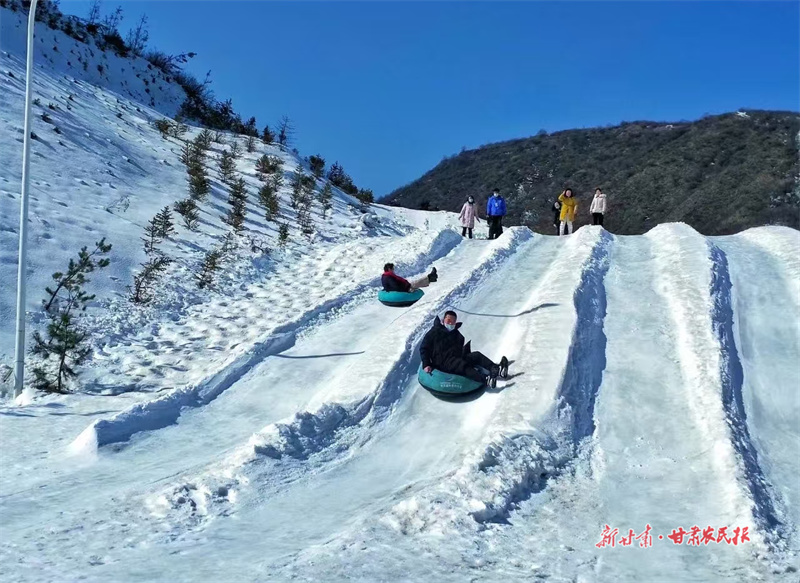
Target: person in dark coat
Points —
{"points": [[495, 211], [557, 216], [394, 283], [444, 348]]}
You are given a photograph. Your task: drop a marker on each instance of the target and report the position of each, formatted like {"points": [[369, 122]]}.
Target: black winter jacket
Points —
{"points": [[440, 344], [392, 282]]}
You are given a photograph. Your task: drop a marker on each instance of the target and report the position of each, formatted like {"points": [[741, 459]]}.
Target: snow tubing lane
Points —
{"points": [[400, 299], [447, 384], [539, 456], [765, 511]]}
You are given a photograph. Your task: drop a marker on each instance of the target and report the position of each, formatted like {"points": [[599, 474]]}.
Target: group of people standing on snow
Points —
{"points": [[566, 207], [564, 210], [495, 211]]}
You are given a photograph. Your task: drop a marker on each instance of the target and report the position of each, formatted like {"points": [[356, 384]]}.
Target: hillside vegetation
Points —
{"points": [[721, 174]]}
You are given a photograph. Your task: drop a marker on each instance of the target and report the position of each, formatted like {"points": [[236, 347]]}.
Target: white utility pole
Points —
{"points": [[19, 360]]}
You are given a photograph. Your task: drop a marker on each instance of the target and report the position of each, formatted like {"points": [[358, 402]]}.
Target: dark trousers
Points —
{"points": [[495, 226], [557, 225], [464, 231], [467, 366], [597, 218]]}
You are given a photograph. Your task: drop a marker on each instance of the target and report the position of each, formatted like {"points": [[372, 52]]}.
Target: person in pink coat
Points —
{"points": [[469, 213]]}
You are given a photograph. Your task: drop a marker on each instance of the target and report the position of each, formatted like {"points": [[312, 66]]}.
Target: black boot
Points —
{"points": [[492, 381], [504, 367], [432, 276]]}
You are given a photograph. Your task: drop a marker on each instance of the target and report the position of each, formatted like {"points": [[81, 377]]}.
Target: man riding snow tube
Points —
{"points": [[399, 292], [448, 363]]}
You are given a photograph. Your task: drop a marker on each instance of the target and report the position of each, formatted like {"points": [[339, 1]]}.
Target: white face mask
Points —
{"points": [[450, 327]]}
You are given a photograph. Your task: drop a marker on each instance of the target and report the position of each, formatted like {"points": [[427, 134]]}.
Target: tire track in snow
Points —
{"points": [[278, 452], [765, 506], [164, 411]]}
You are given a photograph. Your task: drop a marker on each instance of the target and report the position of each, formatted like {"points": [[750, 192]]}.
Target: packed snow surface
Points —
{"points": [[273, 429]]}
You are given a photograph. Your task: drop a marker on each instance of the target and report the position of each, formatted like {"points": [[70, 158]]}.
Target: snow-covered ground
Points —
{"points": [[273, 429]]}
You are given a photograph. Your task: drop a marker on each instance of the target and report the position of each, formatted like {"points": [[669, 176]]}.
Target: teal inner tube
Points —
{"points": [[399, 299], [446, 383]]}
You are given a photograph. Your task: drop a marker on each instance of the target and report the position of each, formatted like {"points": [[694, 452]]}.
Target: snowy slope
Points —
{"points": [[273, 429], [131, 77]]}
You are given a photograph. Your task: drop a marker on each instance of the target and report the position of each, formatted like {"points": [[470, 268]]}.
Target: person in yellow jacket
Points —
{"points": [[569, 207]]}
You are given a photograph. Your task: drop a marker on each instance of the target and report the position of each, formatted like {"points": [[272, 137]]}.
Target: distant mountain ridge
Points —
{"points": [[720, 174]]}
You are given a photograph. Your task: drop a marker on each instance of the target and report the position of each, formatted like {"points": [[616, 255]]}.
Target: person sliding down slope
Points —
{"points": [[394, 283], [443, 349]]}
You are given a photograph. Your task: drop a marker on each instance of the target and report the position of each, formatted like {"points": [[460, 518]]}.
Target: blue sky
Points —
{"points": [[390, 88]]}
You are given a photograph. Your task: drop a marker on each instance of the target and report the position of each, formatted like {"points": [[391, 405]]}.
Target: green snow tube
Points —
{"points": [[444, 383], [399, 299]]}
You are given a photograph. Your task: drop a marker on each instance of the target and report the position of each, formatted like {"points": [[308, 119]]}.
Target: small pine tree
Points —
{"points": [[187, 208], [219, 138], [298, 180], [263, 167], [276, 180], [179, 129], [237, 198], [151, 237], [75, 276], [325, 198], [236, 150], [238, 192], [267, 136], [365, 196], [142, 289], [189, 154], [203, 140], [199, 186], [227, 167], [164, 126], [268, 198], [317, 165], [336, 174], [211, 263], [283, 235], [267, 165], [250, 144], [64, 339], [192, 155], [304, 220], [164, 224]]}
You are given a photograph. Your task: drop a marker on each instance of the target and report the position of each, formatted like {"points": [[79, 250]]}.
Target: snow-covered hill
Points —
{"points": [[273, 429]]}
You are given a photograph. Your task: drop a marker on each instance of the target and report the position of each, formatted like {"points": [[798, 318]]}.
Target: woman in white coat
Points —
{"points": [[598, 207], [468, 215]]}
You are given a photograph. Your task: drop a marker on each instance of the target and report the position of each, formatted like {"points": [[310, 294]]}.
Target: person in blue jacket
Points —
{"points": [[495, 210]]}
